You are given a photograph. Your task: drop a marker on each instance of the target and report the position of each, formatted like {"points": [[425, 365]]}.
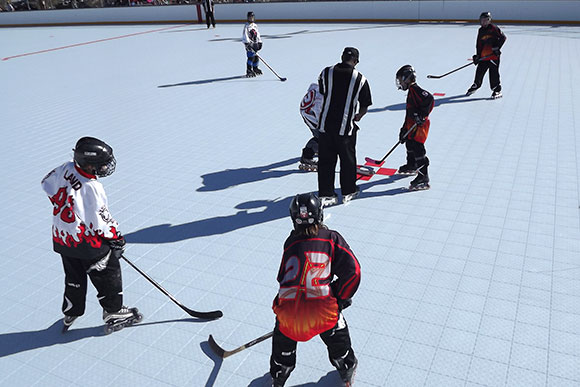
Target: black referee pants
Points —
{"points": [[105, 274], [331, 147]]}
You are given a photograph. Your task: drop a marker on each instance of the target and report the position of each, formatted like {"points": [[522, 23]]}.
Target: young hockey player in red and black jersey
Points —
{"points": [[419, 104], [85, 234], [490, 39], [318, 276]]}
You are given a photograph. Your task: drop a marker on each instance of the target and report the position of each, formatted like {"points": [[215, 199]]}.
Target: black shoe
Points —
{"points": [[347, 375], [472, 89], [407, 169], [420, 182], [496, 95], [257, 71]]}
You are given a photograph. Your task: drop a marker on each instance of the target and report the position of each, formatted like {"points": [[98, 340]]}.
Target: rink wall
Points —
{"points": [[515, 11]]}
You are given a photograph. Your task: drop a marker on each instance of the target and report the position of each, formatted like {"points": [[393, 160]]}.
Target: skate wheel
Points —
{"points": [[108, 329], [138, 318], [301, 167]]}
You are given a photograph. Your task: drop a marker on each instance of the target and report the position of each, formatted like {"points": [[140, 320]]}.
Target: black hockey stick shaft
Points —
{"points": [[271, 69], [223, 353], [205, 315], [393, 148], [457, 69]]}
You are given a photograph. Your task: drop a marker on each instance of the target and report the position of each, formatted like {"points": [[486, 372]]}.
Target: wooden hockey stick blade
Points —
{"points": [[223, 353]]}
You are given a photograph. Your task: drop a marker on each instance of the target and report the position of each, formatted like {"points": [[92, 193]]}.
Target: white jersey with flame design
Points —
{"points": [[310, 106], [81, 219]]}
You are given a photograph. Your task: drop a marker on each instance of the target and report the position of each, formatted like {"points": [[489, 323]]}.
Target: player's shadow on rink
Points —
{"points": [[331, 379], [378, 182], [251, 213], [306, 32], [459, 98], [204, 81], [12, 343], [216, 181]]}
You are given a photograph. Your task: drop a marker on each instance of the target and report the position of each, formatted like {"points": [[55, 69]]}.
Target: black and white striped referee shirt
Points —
{"points": [[343, 88]]}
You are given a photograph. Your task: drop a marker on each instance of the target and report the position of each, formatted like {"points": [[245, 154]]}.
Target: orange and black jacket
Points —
{"points": [[421, 102], [488, 38]]}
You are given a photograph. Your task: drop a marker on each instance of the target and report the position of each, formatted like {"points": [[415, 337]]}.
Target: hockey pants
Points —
{"points": [[105, 274], [337, 340], [416, 156], [493, 67], [330, 148]]}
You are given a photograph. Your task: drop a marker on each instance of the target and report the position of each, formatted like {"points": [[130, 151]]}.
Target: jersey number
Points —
{"points": [[315, 268], [63, 204]]}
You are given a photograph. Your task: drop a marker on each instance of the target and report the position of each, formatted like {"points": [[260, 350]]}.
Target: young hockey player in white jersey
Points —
{"points": [[310, 108], [86, 236], [253, 43]]}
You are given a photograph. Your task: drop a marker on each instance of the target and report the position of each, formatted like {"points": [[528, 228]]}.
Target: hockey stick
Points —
{"points": [[379, 162], [223, 353], [213, 315], [271, 69], [457, 69]]}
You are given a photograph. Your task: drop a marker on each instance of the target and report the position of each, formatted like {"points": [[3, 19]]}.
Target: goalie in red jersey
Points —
{"points": [[318, 276]]}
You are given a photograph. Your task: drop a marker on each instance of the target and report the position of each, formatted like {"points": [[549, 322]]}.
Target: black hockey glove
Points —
{"points": [[496, 51], [418, 119], [343, 304], [402, 137], [256, 47], [475, 59], [117, 244]]}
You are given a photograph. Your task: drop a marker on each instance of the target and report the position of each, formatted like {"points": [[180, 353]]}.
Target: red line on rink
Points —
{"points": [[91, 42]]}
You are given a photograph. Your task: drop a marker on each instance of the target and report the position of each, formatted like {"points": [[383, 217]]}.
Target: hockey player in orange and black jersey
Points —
{"points": [[318, 276], [419, 105], [490, 39], [86, 235]]}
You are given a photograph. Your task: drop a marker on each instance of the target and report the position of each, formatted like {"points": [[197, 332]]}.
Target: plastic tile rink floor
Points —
{"points": [[475, 282]]}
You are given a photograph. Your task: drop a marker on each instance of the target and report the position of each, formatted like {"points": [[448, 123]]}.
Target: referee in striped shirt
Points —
{"points": [[347, 96]]}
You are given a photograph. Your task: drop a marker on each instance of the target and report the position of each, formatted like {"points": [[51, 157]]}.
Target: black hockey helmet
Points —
{"points": [[405, 77], [485, 15], [94, 156], [250, 14], [306, 210]]}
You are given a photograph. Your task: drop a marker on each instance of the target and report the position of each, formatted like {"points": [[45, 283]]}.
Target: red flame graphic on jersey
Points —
{"points": [[85, 235], [308, 101]]}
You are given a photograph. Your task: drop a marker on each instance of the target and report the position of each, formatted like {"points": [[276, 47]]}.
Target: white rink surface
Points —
{"points": [[475, 282]]}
